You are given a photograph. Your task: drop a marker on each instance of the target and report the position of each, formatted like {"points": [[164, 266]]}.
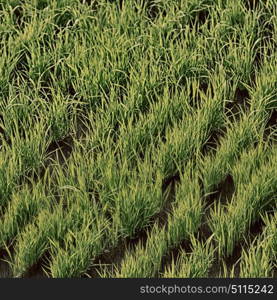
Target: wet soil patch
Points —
{"points": [[60, 150], [239, 104], [212, 143], [36, 271], [5, 270], [223, 192]]}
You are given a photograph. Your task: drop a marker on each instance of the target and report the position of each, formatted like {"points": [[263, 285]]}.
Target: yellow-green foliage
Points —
{"points": [[120, 124]]}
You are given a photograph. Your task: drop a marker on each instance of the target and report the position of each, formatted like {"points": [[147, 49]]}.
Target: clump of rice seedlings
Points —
{"points": [[263, 95], [188, 137], [259, 259], [187, 208], [29, 147], [32, 150], [9, 169], [33, 241], [194, 264], [24, 205], [74, 255], [240, 60], [79, 173], [144, 261], [19, 111], [250, 161], [61, 116], [130, 192], [139, 200], [47, 227], [150, 128]]}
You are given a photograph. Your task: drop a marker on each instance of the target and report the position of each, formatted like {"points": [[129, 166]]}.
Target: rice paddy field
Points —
{"points": [[138, 138]]}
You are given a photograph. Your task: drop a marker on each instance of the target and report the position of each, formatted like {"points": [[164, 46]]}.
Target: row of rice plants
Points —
{"points": [[230, 222], [244, 132], [184, 220]]}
